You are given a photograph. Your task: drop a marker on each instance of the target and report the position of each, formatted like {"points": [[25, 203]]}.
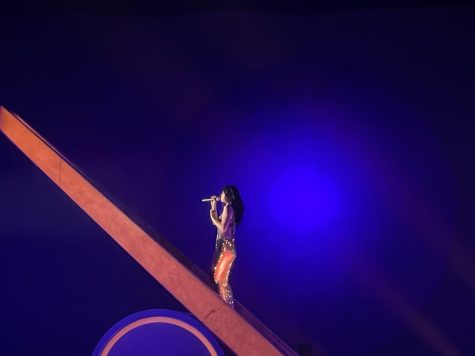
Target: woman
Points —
{"points": [[225, 250]]}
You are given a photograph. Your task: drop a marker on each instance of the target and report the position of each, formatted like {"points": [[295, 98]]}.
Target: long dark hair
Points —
{"points": [[234, 197]]}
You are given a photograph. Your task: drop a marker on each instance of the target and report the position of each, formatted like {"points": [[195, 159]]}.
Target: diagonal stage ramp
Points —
{"points": [[241, 332]]}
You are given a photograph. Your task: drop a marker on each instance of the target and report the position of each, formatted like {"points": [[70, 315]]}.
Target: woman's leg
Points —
{"points": [[221, 275], [217, 252]]}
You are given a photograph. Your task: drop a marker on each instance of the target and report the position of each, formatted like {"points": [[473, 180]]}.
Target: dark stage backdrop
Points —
{"points": [[349, 135]]}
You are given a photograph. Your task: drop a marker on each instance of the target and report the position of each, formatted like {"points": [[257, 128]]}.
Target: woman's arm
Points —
{"points": [[225, 221], [213, 214]]}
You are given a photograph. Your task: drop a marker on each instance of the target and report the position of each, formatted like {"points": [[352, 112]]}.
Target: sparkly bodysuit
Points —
{"points": [[224, 256]]}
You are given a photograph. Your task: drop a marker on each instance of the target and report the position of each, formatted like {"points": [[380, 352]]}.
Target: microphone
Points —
{"points": [[211, 199]]}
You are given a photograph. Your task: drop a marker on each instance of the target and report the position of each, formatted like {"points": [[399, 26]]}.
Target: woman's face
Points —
{"points": [[223, 197]]}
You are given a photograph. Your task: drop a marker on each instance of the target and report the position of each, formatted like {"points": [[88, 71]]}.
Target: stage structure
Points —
{"points": [[158, 332], [238, 328]]}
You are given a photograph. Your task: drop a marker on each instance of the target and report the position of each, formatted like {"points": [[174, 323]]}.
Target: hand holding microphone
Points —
{"points": [[213, 199]]}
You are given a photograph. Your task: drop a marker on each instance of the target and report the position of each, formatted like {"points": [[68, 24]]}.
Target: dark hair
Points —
{"points": [[233, 196]]}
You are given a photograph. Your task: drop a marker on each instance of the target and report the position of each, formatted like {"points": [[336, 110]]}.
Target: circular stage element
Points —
{"points": [[158, 332]]}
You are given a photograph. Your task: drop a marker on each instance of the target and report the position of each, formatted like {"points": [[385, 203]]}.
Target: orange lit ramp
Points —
{"points": [[240, 331]]}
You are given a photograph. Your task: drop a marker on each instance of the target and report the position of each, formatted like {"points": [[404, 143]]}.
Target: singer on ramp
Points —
{"points": [[225, 248]]}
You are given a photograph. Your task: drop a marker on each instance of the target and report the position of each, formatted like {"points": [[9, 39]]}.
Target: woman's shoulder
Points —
{"points": [[229, 209]]}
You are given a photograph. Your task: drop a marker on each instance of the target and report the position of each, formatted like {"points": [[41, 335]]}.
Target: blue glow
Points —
{"points": [[303, 199]]}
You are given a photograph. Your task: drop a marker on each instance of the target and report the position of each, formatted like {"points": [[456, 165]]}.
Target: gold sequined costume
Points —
{"points": [[225, 254]]}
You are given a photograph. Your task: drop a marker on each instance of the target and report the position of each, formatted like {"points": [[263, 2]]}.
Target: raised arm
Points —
{"points": [[213, 214], [225, 222]]}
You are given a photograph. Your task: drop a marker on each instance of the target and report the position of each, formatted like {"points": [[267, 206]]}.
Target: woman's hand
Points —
{"points": [[213, 202]]}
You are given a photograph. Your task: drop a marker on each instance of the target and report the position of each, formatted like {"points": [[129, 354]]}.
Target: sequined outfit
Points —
{"points": [[224, 256]]}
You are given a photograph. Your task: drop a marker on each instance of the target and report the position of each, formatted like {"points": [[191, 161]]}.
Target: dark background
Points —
{"points": [[346, 126]]}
